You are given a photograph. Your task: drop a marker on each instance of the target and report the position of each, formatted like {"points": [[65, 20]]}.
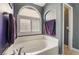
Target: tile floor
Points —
{"points": [[68, 51]]}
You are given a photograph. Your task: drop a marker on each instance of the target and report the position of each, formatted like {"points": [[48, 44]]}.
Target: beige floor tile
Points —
{"points": [[68, 51]]}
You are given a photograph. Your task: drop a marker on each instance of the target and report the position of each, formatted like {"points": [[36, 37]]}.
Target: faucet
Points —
{"points": [[18, 51]]}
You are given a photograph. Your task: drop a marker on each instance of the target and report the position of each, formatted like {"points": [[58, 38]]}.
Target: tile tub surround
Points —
{"points": [[32, 46]]}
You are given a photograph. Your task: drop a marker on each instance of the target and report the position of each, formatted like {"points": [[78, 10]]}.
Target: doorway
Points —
{"points": [[68, 26]]}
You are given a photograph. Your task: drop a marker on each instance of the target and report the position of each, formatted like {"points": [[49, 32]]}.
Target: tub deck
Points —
{"points": [[35, 45]]}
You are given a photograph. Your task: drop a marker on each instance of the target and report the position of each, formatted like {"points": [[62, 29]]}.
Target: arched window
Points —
{"points": [[29, 21]]}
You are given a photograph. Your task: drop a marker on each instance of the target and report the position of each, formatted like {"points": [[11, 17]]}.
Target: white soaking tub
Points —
{"points": [[34, 45]]}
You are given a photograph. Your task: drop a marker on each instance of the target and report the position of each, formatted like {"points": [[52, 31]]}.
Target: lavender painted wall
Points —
{"points": [[0, 31]]}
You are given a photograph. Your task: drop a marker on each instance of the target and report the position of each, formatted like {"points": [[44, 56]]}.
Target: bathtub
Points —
{"points": [[34, 45]]}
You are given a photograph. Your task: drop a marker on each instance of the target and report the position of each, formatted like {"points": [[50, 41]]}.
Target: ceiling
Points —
{"points": [[40, 4]]}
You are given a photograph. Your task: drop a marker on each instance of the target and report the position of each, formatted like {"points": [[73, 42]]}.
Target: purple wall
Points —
{"points": [[1, 31]]}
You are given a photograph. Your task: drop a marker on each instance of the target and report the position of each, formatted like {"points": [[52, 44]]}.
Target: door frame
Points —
{"points": [[70, 37]]}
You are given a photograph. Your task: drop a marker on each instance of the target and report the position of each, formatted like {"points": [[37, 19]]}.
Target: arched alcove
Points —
{"points": [[50, 22], [29, 21]]}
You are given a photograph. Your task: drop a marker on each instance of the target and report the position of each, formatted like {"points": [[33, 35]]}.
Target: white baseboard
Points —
{"points": [[75, 49]]}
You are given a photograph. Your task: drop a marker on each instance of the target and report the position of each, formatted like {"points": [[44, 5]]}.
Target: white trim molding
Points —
{"points": [[75, 49], [70, 40]]}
